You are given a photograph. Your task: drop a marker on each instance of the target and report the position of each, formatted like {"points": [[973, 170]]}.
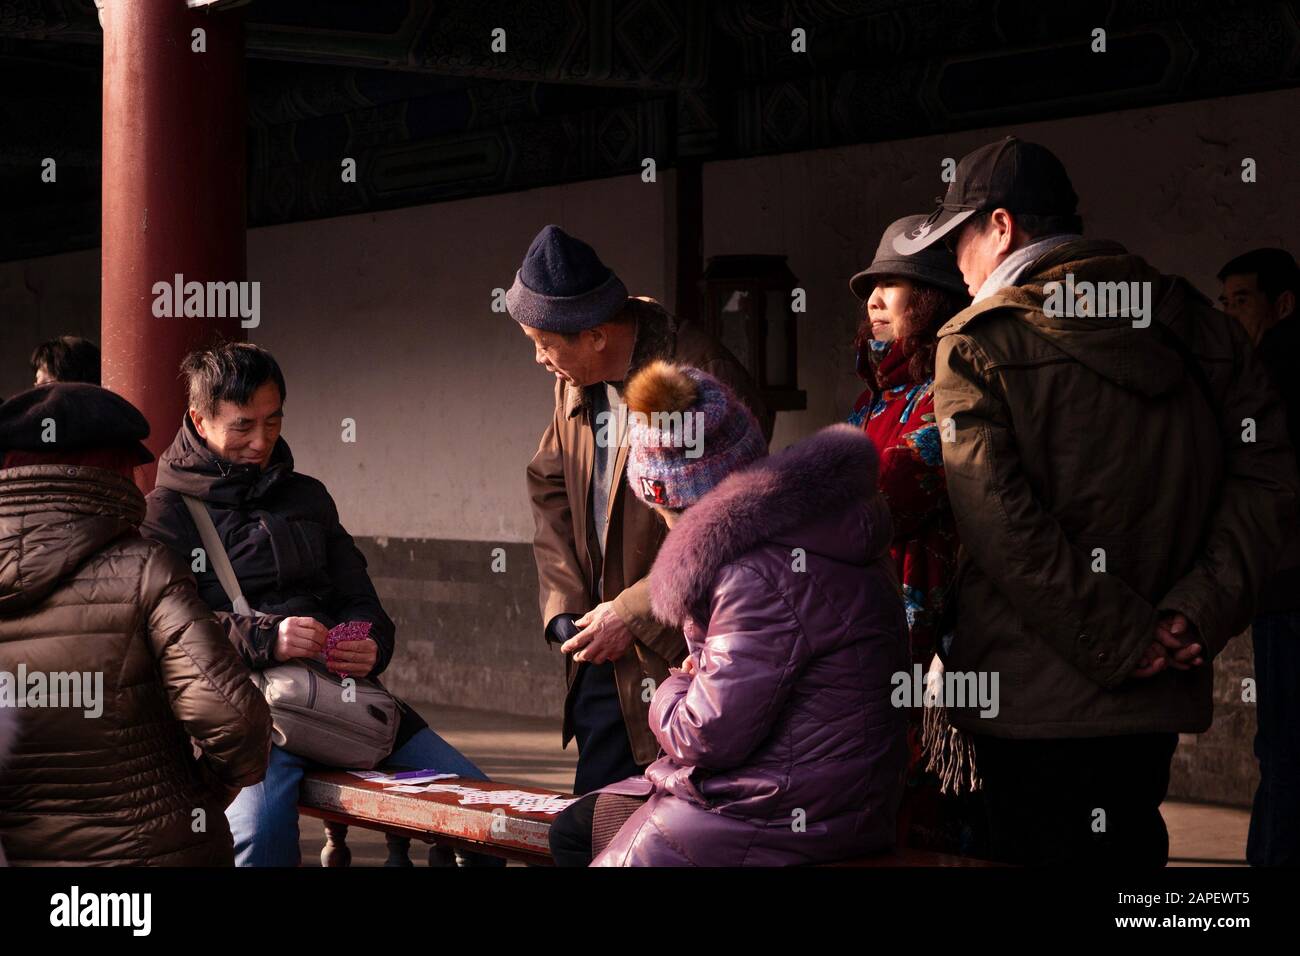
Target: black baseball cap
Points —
{"points": [[1010, 174]]}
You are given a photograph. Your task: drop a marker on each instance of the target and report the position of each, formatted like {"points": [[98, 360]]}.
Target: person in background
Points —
{"points": [[1122, 481], [296, 565], [136, 769], [68, 358], [1260, 289], [779, 742], [905, 299], [593, 543]]}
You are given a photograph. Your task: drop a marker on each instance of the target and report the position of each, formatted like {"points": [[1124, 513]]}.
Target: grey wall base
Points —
{"points": [[466, 635], [1219, 765]]}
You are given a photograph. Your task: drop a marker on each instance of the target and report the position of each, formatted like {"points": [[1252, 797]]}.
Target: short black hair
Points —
{"points": [[229, 372], [1276, 269], [1038, 227], [69, 358], [1032, 225]]}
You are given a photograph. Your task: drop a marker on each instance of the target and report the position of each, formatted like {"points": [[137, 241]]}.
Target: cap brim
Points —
{"points": [[862, 284], [930, 233]]}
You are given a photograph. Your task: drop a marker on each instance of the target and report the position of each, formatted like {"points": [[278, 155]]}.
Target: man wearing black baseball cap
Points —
{"points": [[1121, 478], [1010, 202]]}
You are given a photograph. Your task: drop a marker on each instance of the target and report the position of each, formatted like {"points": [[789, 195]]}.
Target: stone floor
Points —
{"points": [[526, 750]]}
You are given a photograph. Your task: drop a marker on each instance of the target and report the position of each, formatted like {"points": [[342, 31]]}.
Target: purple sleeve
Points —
{"points": [[753, 651]]}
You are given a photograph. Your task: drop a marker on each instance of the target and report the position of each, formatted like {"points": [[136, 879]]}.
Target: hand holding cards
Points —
{"points": [[350, 651]]}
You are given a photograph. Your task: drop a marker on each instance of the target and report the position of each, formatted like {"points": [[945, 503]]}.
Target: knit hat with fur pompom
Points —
{"points": [[686, 433]]}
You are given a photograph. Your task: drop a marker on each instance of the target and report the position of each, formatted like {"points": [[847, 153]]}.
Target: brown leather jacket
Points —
{"points": [[180, 726], [1102, 473], [559, 484]]}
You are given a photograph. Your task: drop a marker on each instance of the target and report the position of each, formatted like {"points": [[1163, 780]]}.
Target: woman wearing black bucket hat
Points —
{"points": [[905, 299], [138, 719]]}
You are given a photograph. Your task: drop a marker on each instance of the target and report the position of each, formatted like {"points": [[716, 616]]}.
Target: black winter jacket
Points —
{"points": [[288, 549]]}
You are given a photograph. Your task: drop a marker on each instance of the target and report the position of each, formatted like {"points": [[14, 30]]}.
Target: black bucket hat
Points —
{"points": [[85, 417], [1009, 174], [933, 265]]}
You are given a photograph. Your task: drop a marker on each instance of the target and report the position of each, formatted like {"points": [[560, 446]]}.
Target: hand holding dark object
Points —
{"points": [[561, 628], [603, 636]]}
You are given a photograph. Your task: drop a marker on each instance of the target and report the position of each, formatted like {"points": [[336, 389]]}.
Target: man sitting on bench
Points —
{"points": [[296, 565]]}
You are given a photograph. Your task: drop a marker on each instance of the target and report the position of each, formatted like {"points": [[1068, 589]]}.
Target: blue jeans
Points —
{"points": [[264, 817], [1275, 819]]}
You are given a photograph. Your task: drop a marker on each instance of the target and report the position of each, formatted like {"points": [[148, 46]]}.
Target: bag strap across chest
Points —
{"points": [[217, 555]]}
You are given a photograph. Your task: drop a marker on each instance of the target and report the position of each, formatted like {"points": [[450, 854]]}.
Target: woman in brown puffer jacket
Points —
{"points": [[138, 768]]}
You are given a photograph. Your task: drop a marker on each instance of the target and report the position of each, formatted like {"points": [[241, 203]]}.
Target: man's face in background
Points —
{"points": [[1243, 299], [244, 434]]}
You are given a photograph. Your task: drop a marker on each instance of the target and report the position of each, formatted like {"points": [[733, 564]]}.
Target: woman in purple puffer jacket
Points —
{"points": [[780, 745]]}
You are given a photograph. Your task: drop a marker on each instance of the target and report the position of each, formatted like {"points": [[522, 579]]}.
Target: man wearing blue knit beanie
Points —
{"points": [[594, 543]]}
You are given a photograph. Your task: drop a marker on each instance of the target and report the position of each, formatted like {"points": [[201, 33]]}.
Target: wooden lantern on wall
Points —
{"points": [[748, 306]]}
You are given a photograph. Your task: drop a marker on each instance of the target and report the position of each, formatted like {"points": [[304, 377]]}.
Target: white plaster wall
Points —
{"points": [[385, 318], [1163, 181]]}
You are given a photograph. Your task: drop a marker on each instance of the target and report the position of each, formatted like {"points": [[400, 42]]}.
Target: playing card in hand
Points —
{"points": [[348, 631]]}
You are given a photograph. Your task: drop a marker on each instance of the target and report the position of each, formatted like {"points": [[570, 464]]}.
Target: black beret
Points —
{"points": [[83, 417]]}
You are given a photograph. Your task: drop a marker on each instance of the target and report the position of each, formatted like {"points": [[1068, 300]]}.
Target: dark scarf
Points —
{"points": [[190, 467], [883, 365], [891, 364]]}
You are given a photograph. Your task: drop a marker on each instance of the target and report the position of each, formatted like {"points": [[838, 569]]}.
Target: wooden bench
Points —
{"points": [[438, 818]]}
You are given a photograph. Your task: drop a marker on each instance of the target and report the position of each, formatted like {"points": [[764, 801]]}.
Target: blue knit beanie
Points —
{"points": [[563, 286]]}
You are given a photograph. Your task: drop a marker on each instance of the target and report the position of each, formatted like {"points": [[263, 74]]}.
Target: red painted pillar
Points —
{"points": [[173, 192]]}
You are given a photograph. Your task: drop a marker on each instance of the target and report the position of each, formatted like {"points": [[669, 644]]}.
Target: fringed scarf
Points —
{"points": [[949, 752], [899, 418]]}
